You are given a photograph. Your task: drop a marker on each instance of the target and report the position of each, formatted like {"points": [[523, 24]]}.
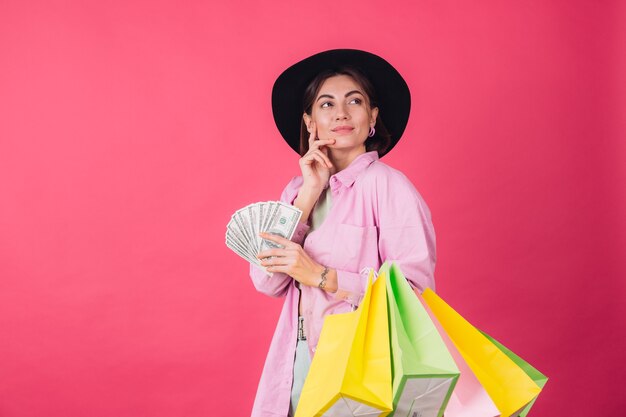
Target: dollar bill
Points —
{"points": [[261, 207], [242, 231], [241, 221], [235, 233], [253, 225], [235, 247], [272, 206], [283, 223]]}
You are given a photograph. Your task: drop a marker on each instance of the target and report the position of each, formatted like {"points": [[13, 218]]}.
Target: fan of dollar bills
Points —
{"points": [[242, 231]]}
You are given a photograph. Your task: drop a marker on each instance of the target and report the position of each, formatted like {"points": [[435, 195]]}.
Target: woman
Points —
{"points": [[341, 110]]}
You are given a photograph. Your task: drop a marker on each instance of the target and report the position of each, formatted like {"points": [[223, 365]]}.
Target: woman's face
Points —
{"points": [[341, 111]]}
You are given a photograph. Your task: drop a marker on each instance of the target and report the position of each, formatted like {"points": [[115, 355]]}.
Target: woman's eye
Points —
{"points": [[356, 100], [326, 104]]}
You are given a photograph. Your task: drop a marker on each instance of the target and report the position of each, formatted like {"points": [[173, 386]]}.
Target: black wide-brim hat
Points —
{"points": [[394, 98]]}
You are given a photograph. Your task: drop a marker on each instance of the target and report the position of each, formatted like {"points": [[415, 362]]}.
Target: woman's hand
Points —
{"points": [[291, 260], [315, 165]]}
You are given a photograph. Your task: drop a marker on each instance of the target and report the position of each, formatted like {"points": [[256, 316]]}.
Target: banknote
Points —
{"points": [[241, 221], [283, 223], [242, 231]]}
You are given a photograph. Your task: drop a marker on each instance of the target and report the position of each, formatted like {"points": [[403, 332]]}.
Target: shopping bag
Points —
{"points": [[350, 374], [534, 374], [510, 388], [424, 373], [469, 398]]}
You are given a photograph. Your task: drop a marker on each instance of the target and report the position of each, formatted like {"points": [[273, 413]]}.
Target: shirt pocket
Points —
{"points": [[354, 247]]}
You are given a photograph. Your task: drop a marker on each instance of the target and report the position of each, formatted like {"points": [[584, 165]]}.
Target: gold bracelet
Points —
{"points": [[322, 283]]}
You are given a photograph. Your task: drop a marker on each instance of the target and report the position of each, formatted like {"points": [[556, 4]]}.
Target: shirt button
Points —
{"points": [[314, 349]]}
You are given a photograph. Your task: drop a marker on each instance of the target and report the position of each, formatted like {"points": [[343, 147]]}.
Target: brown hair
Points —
{"points": [[379, 142]]}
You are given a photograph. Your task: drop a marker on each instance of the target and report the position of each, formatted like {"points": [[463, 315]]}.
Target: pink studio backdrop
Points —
{"points": [[131, 131]]}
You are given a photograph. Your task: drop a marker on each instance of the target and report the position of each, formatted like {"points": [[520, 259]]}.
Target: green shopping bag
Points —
{"points": [[424, 373], [534, 374]]}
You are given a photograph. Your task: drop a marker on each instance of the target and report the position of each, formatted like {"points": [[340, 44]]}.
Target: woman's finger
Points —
{"points": [[316, 157], [314, 142], [278, 268], [279, 260], [321, 142], [308, 157], [324, 157], [279, 252], [278, 239]]}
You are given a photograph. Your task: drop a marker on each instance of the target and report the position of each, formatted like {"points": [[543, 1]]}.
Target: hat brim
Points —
{"points": [[394, 97]]}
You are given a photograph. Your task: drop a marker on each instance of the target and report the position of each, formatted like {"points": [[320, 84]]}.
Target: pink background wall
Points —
{"points": [[130, 131]]}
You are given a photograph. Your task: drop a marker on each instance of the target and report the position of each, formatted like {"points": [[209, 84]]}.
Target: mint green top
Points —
{"points": [[321, 209]]}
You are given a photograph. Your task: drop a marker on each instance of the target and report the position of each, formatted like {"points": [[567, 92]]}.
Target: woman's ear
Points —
{"points": [[307, 121], [374, 114]]}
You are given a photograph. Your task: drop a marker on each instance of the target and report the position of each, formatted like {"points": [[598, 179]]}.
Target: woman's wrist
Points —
{"points": [[305, 201], [324, 278], [309, 194], [331, 281]]}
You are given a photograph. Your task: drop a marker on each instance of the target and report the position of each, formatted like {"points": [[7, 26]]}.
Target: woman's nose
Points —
{"points": [[342, 113]]}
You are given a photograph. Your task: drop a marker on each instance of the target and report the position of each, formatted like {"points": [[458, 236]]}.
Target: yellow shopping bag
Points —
{"points": [[350, 374], [510, 388]]}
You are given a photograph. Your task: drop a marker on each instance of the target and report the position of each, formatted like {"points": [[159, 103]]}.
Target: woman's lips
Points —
{"points": [[343, 130]]}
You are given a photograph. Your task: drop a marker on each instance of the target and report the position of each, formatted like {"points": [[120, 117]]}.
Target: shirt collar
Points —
{"points": [[348, 175]]}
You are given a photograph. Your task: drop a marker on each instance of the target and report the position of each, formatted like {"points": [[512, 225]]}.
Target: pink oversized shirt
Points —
{"points": [[377, 215]]}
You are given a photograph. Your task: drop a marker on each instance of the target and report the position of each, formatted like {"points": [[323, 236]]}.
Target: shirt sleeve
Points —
{"points": [[276, 285], [406, 236], [351, 286]]}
